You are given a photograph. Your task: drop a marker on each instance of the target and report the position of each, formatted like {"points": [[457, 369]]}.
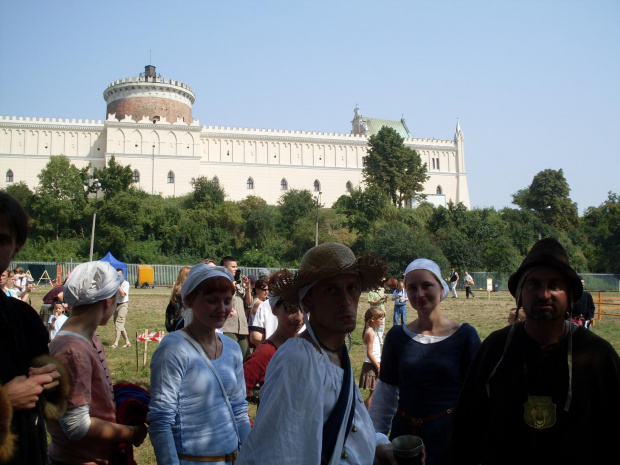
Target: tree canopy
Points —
{"points": [[393, 168]]}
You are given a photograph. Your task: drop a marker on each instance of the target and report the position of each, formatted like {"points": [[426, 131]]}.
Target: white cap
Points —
{"points": [[432, 267], [198, 273], [91, 282]]}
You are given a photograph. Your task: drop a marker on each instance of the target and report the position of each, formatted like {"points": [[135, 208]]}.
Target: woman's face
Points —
{"points": [[210, 310], [423, 290], [262, 292]]}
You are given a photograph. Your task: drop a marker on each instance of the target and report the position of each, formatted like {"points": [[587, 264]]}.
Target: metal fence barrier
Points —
{"points": [[166, 275]]}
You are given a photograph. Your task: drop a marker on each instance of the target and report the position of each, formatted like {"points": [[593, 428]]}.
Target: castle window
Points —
{"points": [[317, 186], [433, 160], [170, 177], [437, 159], [439, 190], [250, 183], [156, 119], [349, 186], [283, 185], [9, 176], [136, 176], [215, 181]]}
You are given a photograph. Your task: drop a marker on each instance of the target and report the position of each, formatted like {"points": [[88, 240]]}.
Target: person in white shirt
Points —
{"points": [[120, 314]]}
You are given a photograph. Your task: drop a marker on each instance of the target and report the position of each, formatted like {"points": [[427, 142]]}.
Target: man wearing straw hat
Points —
{"points": [[543, 390], [311, 409]]}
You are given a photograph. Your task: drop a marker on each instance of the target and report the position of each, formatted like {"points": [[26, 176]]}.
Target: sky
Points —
{"points": [[534, 84]]}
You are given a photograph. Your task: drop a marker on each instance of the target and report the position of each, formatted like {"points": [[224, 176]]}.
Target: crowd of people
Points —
{"points": [[522, 395]]}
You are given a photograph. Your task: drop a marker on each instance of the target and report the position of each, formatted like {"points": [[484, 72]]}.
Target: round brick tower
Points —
{"points": [[150, 96]]}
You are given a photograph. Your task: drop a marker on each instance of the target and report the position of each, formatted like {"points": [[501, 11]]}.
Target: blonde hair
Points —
{"points": [[177, 285], [372, 312]]}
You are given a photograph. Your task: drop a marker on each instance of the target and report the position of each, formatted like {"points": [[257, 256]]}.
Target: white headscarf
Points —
{"points": [[198, 273], [91, 282], [431, 267]]}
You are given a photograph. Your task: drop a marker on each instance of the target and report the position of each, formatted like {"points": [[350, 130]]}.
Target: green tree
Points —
{"points": [[548, 197], [207, 194], [60, 199], [114, 178], [294, 206], [22, 193], [362, 207], [394, 168], [601, 225]]}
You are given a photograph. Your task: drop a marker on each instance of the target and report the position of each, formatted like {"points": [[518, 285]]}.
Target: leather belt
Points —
{"points": [[417, 422], [210, 458]]}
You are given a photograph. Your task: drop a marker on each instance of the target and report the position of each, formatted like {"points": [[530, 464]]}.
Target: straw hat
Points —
{"points": [[327, 260], [547, 252]]}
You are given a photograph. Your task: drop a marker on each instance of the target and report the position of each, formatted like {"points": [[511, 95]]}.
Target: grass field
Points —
{"points": [[487, 312]]}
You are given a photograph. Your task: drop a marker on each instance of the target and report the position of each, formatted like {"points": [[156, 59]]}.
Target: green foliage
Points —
{"points": [[362, 207], [259, 226], [59, 201], [207, 194], [398, 246], [548, 197], [295, 205], [114, 178], [22, 193], [393, 168], [601, 226]]}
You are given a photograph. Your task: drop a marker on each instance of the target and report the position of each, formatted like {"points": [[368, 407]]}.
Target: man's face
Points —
{"points": [[120, 273], [544, 295], [232, 267], [332, 302], [8, 249]]}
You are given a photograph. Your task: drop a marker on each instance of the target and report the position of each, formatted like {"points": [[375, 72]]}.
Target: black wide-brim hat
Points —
{"points": [[323, 261], [547, 252]]}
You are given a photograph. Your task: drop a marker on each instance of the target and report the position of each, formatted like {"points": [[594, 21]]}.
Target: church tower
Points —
{"points": [[150, 97]]}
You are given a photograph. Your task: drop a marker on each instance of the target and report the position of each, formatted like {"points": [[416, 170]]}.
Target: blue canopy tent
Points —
{"points": [[115, 263]]}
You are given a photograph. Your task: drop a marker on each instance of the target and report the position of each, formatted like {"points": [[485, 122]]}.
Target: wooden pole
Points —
{"points": [[137, 362], [146, 341]]}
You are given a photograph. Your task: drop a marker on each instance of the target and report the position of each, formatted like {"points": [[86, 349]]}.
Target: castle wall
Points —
{"points": [[232, 155]]}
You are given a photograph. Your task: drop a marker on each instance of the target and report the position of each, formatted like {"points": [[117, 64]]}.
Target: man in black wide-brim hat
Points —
{"points": [[544, 390]]}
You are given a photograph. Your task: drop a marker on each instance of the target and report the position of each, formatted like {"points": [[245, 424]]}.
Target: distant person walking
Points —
{"points": [[454, 281], [583, 308], [469, 281], [122, 308]]}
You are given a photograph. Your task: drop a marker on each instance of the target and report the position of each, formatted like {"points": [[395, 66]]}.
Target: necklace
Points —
{"points": [[201, 344], [336, 351]]}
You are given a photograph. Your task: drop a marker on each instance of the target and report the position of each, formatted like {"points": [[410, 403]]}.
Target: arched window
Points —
{"points": [[9, 176], [283, 185], [317, 186], [439, 190], [349, 186], [250, 183], [215, 181], [170, 177], [136, 176]]}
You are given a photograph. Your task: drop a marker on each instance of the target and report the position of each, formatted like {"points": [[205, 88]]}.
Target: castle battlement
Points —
{"points": [[56, 121], [284, 132], [154, 80]]}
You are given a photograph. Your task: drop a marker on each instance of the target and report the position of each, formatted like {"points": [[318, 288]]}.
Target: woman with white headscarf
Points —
{"points": [[198, 411], [88, 432], [423, 365]]}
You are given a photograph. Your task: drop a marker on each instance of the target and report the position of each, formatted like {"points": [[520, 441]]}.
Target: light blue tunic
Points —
{"points": [[187, 412]]}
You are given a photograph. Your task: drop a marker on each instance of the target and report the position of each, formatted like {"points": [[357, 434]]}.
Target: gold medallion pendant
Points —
{"points": [[539, 412]]}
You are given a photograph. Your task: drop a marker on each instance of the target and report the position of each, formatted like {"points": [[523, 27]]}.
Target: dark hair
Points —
{"points": [[119, 269], [15, 216], [227, 259], [214, 285], [261, 283]]}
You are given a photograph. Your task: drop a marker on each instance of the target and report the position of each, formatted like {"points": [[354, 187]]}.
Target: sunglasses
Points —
{"points": [[264, 289]]}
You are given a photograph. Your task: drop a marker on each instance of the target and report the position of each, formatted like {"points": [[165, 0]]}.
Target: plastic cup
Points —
{"points": [[408, 450]]}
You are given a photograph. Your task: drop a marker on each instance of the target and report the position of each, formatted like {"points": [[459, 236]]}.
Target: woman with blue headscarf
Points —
{"points": [[423, 365], [198, 410]]}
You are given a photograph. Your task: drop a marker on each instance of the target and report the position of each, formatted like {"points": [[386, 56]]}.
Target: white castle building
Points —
{"points": [[149, 126]]}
